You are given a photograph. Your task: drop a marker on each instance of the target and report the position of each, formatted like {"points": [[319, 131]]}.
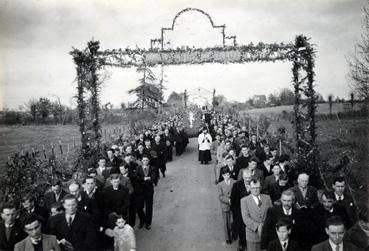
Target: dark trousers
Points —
{"points": [[239, 228], [145, 200], [132, 211]]}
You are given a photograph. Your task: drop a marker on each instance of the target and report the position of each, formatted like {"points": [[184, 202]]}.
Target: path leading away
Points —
{"points": [[187, 213]]}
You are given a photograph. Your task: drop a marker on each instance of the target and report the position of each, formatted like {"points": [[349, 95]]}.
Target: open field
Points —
{"points": [[23, 138], [321, 109]]}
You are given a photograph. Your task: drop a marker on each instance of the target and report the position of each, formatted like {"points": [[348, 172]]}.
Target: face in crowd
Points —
{"points": [[90, 184], [70, 206], [339, 187], [335, 233], [9, 215], [283, 232], [255, 188], [246, 175], [303, 180], [75, 190], [33, 229], [102, 163], [145, 161], [287, 200]]}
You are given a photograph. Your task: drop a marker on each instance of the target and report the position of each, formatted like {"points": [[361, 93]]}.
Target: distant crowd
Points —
{"points": [[98, 213], [267, 205]]}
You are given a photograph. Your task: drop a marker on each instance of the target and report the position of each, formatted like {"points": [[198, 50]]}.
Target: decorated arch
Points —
{"points": [[91, 60]]}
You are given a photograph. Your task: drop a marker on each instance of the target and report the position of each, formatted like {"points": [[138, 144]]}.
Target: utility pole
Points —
{"points": [[185, 98]]}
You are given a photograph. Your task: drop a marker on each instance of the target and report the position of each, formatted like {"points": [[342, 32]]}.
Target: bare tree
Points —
{"points": [[359, 62]]}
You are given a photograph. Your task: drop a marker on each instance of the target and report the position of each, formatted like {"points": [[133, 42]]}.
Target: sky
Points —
{"points": [[36, 37]]}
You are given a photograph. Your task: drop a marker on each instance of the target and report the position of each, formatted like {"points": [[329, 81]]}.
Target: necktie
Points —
{"points": [[7, 232], [69, 221], [145, 171], [259, 201], [340, 197], [337, 247], [285, 246]]}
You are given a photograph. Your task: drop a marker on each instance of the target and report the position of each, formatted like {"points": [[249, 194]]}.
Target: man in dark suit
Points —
{"points": [[344, 200], [115, 197], [230, 166], [55, 195], [357, 234], [85, 204], [132, 170], [266, 165], [240, 189], [285, 210], [275, 189], [102, 172], [29, 206], [283, 229], [159, 148], [243, 160], [325, 210], [306, 196], [335, 229], [73, 228], [36, 240], [145, 192], [11, 230]]}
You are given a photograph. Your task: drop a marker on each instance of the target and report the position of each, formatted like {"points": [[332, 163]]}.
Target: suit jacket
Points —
{"points": [[242, 162], [224, 192], [273, 215], [146, 186], [50, 199], [115, 201], [233, 173], [17, 234], [325, 246], [238, 192], [311, 198], [49, 242], [265, 171], [81, 233], [357, 236], [348, 204], [320, 216], [269, 180], [253, 215], [275, 245]]}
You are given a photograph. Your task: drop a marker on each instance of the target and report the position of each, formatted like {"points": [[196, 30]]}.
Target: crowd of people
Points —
{"points": [[267, 205], [100, 212]]}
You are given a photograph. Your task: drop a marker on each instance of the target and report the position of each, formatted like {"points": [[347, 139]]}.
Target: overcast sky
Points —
{"points": [[36, 37]]}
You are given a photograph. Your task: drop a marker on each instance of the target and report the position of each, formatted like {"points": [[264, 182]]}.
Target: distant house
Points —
{"points": [[259, 100], [201, 97]]}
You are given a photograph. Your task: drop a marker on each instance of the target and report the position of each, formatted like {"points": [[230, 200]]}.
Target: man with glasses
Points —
{"points": [[254, 208], [36, 240], [335, 229]]}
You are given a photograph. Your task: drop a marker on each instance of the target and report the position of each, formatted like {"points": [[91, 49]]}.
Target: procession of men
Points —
{"points": [[100, 211], [267, 205]]}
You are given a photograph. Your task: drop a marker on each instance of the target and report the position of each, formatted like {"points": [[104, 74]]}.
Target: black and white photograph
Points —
{"points": [[187, 125]]}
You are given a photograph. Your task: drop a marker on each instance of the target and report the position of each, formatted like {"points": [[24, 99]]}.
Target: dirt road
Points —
{"points": [[187, 213]]}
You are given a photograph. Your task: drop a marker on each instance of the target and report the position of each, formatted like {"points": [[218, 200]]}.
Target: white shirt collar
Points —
{"points": [[337, 196], [282, 243], [256, 199], [289, 212], [333, 246]]}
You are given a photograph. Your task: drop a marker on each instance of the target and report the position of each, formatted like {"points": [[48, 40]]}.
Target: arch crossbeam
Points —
{"points": [[235, 54]]}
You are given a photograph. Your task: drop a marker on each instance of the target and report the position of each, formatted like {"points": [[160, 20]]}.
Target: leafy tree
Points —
{"points": [[273, 99], [149, 94], [286, 97], [359, 62], [175, 99], [44, 106]]}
